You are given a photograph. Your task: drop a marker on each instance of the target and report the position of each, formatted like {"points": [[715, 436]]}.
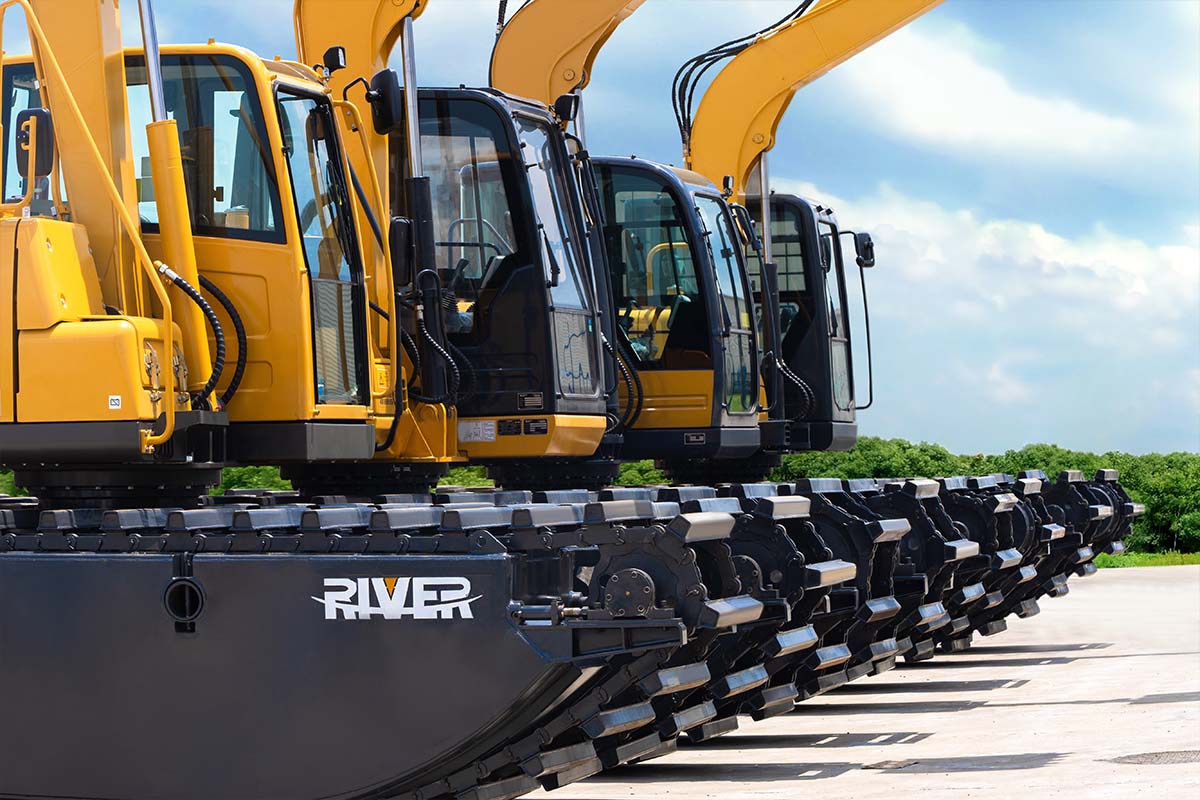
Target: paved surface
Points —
{"points": [[1088, 699]]}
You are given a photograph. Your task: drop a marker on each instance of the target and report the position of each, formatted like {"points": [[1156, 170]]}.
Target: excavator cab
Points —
{"points": [[819, 393], [518, 287], [270, 212], [683, 315]]}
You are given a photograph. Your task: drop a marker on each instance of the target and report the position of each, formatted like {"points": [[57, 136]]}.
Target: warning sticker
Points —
{"points": [[509, 427], [483, 430], [537, 427]]}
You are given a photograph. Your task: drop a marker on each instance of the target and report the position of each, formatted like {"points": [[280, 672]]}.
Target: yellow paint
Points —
{"points": [[567, 435], [548, 47], [675, 399], [740, 111], [179, 253]]}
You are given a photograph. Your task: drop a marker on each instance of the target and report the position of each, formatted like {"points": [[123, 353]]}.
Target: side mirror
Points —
{"points": [[387, 101], [35, 131], [746, 227], [400, 252], [566, 107], [727, 186], [334, 59], [864, 250]]}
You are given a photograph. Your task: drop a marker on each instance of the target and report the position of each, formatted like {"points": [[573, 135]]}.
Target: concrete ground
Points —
{"points": [[1098, 696]]}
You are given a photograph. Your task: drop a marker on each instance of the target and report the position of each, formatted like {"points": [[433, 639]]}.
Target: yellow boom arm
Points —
{"points": [[547, 49], [740, 111], [368, 29]]}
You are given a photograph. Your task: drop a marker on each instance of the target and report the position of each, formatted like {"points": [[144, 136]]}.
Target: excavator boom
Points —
{"points": [[547, 49], [740, 111]]}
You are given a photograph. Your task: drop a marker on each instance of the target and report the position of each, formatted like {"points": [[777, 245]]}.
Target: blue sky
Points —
{"points": [[1030, 170]]}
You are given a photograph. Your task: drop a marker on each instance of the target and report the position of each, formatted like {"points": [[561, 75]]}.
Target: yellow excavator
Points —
{"points": [[809, 399], [512, 254], [809, 359], [251, 207]]}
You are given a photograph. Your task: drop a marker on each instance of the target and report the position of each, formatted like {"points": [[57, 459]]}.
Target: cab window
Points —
{"points": [[231, 185], [659, 305]]}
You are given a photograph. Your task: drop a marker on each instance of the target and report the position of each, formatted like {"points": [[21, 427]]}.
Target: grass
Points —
{"points": [[1171, 559]]}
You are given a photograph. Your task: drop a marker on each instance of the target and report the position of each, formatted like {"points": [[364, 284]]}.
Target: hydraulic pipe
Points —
{"points": [[174, 219]]}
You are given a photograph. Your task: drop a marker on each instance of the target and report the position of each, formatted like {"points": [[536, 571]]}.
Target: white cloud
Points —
{"points": [[1016, 333], [933, 88]]}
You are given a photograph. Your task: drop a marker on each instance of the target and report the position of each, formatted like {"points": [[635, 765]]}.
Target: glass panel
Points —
{"points": [[323, 210], [839, 332], [227, 168], [721, 243], [20, 93], [658, 301], [831, 262], [787, 248], [741, 376], [552, 198]]}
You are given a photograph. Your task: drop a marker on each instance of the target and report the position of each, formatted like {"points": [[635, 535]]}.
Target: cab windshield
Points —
{"points": [[659, 306]]}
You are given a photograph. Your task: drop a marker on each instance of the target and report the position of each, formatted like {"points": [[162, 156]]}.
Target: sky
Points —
{"points": [[1029, 169]]}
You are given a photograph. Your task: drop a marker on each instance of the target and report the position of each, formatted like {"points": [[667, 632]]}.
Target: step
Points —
{"points": [[687, 718], [1028, 608], [711, 730], [970, 593], [822, 684], [741, 681], [1026, 574], [828, 573], [729, 611], [993, 627], [504, 789], [883, 665], [558, 760], [879, 608], [1115, 548], [1006, 559], [629, 751], [791, 641], [930, 616], [960, 549], [675, 679], [773, 701], [828, 656], [578, 772], [884, 648], [922, 650], [618, 720], [993, 599]]}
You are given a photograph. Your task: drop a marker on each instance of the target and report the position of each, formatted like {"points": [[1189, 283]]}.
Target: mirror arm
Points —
{"points": [[862, 281]]}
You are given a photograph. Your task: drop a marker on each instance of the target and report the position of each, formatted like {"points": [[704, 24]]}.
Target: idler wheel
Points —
{"points": [[629, 593]]}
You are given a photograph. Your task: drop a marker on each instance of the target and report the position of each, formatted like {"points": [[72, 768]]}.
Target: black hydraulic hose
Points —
{"points": [[640, 389], [627, 379], [239, 332], [366, 207], [218, 333], [464, 365], [448, 360]]}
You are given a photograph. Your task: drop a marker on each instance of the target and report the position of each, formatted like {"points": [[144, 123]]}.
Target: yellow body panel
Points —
{"points": [[547, 49], [741, 109], [565, 435], [74, 362], [675, 399], [107, 377]]}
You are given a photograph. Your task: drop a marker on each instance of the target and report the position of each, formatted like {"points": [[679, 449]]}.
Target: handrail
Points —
{"points": [[45, 55]]}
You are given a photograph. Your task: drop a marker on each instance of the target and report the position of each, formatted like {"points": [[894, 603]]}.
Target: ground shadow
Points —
{"points": [[965, 660], [738, 741], [972, 763], [871, 687], [1038, 648], [657, 771], [915, 707]]}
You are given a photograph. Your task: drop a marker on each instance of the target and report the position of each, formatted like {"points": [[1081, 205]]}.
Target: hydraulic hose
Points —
{"points": [[627, 379], [218, 333], [239, 332]]}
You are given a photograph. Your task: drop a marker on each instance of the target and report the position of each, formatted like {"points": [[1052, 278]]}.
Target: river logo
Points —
{"points": [[397, 598]]}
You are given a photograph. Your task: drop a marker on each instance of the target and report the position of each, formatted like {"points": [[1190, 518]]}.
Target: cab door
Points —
{"points": [[738, 377]]}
